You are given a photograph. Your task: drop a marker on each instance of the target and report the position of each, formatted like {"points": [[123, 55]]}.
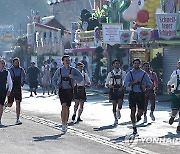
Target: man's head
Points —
{"points": [[178, 64], [16, 62], [80, 66], [66, 60], [146, 66], [136, 63], [32, 64], [2, 63], [55, 64], [116, 63]]}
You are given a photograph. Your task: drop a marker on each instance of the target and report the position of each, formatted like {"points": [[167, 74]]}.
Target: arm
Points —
{"points": [[9, 82], [23, 75], [128, 81], [55, 78], [155, 80], [107, 80], [170, 83], [77, 75], [148, 81], [87, 79]]}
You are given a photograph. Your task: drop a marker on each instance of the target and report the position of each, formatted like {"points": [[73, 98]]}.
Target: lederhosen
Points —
{"points": [[150, 93], [137, 98], [66, 95], [175, 97], [3, 82], [80, 92], [115, 93], [16, 89]]}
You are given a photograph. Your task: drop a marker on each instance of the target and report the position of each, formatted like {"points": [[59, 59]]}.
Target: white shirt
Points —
{"points": [[173, 81], [109, 79], [9, 81], [174, 72], [86, 80]]}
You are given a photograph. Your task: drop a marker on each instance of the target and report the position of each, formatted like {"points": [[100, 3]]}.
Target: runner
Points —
{"points": [[150, 93], [115, 82], [173, 87], [5, 79], [80, 92], [52, 71], [46, 79], [18, 78], [64, 80], [33, 73], [138, 80]]}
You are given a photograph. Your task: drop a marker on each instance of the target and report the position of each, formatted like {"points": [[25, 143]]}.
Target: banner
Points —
{"points": [[144, 34], [111, 33], [125, 36], [167, 25]]}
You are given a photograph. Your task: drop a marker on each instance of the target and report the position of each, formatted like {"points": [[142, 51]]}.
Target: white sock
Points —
{"points": [[80, 112]]}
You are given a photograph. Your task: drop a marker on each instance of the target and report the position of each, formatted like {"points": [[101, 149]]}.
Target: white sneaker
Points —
{"points": [[152, 116], [116, 121], [64, 128], [18, 122], [145, 119], [118, 114]]}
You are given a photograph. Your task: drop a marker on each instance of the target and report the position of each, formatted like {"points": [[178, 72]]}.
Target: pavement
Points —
{"points": [[41, 128]]}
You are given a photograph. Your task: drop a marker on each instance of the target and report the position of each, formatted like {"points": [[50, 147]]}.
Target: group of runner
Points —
{"points": [[71, 82]]}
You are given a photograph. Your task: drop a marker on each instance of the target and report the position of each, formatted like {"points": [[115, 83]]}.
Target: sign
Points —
{"points": [[111, 33], [7, 38], [125, 36], [167, 25], [144, 34]]}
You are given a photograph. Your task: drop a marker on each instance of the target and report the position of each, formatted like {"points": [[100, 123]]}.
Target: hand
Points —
{"points": [[144, 87], [71, 76], [8, 93]]}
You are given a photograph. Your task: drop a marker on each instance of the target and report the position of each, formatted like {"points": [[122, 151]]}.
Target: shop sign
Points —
{"points": [[167, 25], [111, 33], [144, 34], [7, 38], [125, 36]]}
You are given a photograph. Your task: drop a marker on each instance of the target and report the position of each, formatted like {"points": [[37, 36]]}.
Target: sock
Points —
{"points": [[115, 115], [80, 112], [75, 109], [134, 124]]}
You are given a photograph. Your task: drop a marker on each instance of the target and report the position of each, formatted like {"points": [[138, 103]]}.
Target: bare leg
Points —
{"points": [[1, 112], [18, 108]]}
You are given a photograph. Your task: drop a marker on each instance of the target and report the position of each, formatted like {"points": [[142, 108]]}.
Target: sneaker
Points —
{"points": [[116, 121], [138, 118], [171, 120], [134, 130], [18, 122], [31, 95], [152, 116], [178, 129], [145, 119], [118, 114], [35, 92], [79, 119], [73, 117], [64, 128]]}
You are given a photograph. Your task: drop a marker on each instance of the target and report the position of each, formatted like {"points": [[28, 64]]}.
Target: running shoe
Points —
{"points": [[79, 119], [152, 116], [64, 128], [18, 122], [171, 120], [178, 129], [73, 117]]}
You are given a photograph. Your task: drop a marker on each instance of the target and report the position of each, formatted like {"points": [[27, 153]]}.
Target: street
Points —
{"points": [[96, 134]]}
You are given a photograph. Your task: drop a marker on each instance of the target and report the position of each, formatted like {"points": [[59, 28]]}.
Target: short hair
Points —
{"points": [[65, 56], [2, 60], [16, 58], [137, 59], [115, 60], [145, 63], [80, 64]]}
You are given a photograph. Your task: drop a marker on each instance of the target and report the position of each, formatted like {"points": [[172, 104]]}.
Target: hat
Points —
{"points": [[33, 63]]}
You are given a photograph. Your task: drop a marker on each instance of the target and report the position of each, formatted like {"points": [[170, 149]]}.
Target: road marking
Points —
{"points": [[82, 133]]}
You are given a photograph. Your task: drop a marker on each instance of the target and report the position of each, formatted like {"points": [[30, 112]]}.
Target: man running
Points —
{"points": [[138, 80], [18, 78], [80, 93], [5, 79], [33, 74], [64, 79], [150, 93], [115, 82]]}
